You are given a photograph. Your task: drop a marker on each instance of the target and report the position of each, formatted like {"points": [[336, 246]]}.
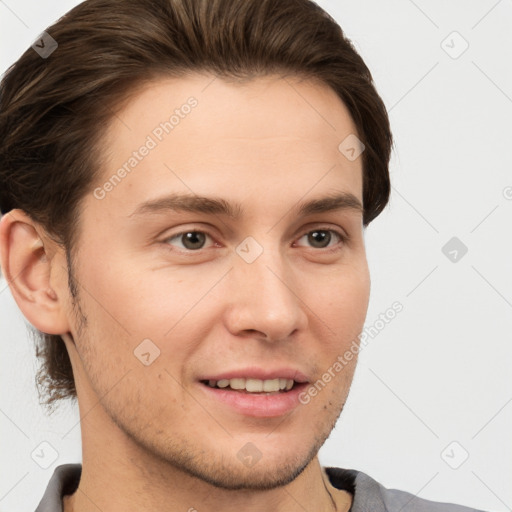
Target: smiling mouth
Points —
{"points": [[253, 386]]}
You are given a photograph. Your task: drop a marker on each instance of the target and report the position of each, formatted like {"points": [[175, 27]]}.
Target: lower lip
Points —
{"points": [[257, 405]]}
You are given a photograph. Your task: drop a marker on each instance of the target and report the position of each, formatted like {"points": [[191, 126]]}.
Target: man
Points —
{"points": [[185, 186]]}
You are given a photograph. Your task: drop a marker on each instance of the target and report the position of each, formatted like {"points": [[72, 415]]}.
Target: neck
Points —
{"points": [[134, 483], [139, 490]]}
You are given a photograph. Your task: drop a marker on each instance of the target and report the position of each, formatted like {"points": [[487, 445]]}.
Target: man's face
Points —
{"points": [[270, 293]]}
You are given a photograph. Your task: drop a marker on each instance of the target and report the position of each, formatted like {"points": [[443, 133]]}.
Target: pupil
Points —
{"points": [[193, 240], [324, 237]]}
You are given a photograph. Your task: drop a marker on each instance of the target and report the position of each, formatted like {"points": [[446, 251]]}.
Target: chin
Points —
{"points": [[227, 469], [262, 476]]}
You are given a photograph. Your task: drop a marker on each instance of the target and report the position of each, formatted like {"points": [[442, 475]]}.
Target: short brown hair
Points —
{"points": [[53, 111]]}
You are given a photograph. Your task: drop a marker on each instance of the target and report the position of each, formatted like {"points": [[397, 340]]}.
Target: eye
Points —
{"points": [[322, 238], [194, 240], [189, 240]]}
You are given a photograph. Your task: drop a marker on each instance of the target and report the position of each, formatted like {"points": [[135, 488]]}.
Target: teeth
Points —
{"points": [[237, 383], [254, 385], [271, 385]]}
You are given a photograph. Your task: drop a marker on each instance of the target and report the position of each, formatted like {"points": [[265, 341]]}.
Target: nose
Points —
{"points": [[265, 298]]}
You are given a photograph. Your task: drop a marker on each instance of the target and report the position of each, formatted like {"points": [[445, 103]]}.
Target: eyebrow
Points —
{"points": [[219, 206]]}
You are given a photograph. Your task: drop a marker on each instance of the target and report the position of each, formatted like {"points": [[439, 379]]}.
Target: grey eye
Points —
{"points": [[319, 238], [191, 240]]}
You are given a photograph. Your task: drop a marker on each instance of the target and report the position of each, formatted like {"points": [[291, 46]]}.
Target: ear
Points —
{"points": [[36, 272]]}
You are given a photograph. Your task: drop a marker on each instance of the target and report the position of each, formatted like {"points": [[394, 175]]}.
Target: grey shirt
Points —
{"points": [[368, 495]]}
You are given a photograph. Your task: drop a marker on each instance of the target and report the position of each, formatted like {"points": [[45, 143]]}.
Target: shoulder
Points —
{"points": [[65, 480], [369, 495]]}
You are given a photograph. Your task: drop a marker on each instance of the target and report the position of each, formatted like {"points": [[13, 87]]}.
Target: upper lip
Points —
{"points": [[259, 373]]}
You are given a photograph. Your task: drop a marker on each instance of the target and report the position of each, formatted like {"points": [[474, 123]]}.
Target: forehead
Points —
{"points": [[204, 135]]}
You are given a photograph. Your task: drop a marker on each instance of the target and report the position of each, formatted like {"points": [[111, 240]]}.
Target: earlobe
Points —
{"points": [[27, 266]]}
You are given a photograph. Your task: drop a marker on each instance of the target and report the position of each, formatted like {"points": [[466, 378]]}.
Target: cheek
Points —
{"points": [[144, 303], [345, 302], [129, 316]]}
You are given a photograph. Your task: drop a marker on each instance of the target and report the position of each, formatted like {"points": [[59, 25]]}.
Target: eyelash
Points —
{"points": [[343, 239]]}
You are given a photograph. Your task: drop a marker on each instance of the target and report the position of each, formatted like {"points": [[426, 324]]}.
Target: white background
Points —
{"points": [[440, 371]]}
